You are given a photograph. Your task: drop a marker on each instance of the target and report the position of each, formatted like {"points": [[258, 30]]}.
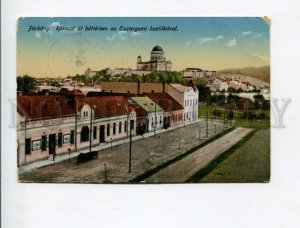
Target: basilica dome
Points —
{"points": [[157, 48]]}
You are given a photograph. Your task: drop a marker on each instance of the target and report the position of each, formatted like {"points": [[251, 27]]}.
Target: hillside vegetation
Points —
{"points": [[262, 73]]}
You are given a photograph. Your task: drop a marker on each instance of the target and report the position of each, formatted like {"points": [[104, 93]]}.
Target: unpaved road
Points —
{"points": [[188, 166], [146, 154]]}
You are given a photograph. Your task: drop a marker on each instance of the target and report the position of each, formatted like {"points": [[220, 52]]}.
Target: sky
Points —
{"points": [[209, 43]]}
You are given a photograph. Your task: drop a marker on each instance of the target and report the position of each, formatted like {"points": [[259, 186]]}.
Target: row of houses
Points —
{"points": [[49, 125]]}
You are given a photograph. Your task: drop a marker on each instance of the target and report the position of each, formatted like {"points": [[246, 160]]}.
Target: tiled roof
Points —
{"points": [[43, 107], [179, 87], [106, 106], [146, 103], [165, 101], [40, 107]]}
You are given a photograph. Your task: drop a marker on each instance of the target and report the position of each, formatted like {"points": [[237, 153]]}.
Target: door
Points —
{"points": [[28, 146], [52, 142], [102, 134]]}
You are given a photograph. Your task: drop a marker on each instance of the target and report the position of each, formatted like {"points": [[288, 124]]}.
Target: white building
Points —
{"points": [[194, 73], [224, 86], [112, 71], [187, 96], [89, 73], [155, 114]]}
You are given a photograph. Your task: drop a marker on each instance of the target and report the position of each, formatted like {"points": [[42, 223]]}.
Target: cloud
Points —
{"points": [[231, 43], [37, 35], [246, 33], [187, 43], [119, 35], [54, 24], [259, 35], [135, 33], [258, 56], [210, 39]]}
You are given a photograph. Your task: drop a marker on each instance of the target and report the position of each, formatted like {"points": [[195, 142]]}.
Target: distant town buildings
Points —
{"points": [[194, 73], [89, 73], [118, 71]]}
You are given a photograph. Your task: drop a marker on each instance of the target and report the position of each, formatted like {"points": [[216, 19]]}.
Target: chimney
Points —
{"points": [[139, 87]]}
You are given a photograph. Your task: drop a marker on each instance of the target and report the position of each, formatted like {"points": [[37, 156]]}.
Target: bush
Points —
{"points": [[216, 112], [262, 116], [230, 115], [251, 115]]}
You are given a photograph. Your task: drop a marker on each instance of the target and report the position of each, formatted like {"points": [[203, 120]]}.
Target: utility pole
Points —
{"points": [[206, 124], [91, 125], [155, 122], [247, 112], [224, 119], [105, 173], [25, 140], [130, 141], [75, 132]]}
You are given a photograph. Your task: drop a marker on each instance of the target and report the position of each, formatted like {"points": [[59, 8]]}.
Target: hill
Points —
{"points": [[262, 73]]}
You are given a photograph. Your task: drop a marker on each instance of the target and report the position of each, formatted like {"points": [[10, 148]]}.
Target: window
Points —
{"points": [[84, 135], [107, 130], [44, 142], [120, 127], [28, 146], [95, 132], [114, 128], [72, 137], [125, 126], [59, 140]]}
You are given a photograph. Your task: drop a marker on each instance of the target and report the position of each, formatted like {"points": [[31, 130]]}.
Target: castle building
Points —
{"points": [[157, 61]]}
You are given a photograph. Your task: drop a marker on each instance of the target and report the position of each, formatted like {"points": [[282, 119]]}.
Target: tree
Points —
{"points": [[55, 84], [204, 92], [258, 97], [26, 84]]}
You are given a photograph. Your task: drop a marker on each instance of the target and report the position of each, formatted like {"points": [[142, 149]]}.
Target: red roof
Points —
{"points": [[105, 106], [41, 107], [165, 101], [139, 111]]}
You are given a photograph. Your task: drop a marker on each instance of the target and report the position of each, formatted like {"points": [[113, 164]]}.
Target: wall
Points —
{"points": [[36, 129]]}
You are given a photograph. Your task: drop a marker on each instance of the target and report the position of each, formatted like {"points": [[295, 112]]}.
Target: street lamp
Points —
{"points": [[130, 139], [155, 119]]}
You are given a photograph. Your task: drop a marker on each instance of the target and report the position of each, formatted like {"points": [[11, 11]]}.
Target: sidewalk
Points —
{"points": [[60, 158]]}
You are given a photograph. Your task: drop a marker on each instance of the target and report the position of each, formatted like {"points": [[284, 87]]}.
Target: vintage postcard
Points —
{"points": [[143, 100]]}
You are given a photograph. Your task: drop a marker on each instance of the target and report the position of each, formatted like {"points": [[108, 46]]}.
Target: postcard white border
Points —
{"points": [[276, 204]]}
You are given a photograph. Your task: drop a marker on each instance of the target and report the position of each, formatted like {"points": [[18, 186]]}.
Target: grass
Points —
{"points": [[237, 121], [207, 169], [247, 162], [171, 161]]}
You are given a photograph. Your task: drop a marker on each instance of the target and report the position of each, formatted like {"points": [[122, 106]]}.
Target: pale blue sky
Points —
{"points": [[208, 43]]}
